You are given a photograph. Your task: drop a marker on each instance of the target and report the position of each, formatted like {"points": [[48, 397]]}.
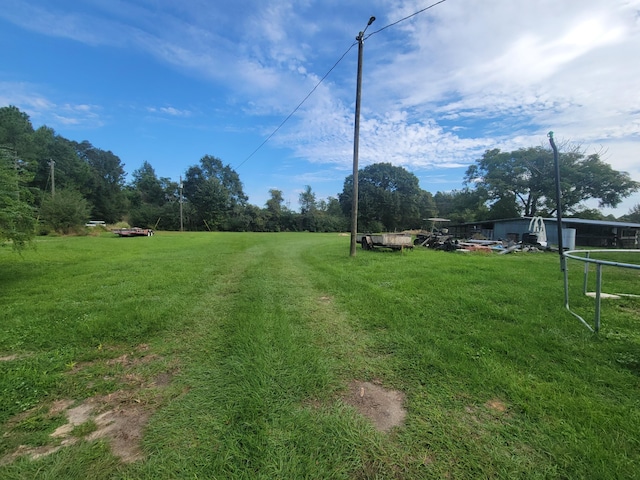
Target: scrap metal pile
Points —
{"points": [[440, 239]]}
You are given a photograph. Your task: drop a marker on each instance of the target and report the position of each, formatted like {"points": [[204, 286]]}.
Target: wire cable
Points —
{"points": [[298, 106], [405, 18], [327, 74]]}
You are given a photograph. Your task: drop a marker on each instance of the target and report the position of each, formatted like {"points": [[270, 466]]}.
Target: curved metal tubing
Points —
{"points": [[575, 255]]}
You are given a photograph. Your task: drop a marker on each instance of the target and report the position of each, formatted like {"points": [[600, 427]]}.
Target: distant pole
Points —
{"points": [[52, 164], [356, 142], [180, 201]]}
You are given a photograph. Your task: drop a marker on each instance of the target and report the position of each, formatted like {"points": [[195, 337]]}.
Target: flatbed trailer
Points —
{"points": [[133, 232], [395, 241]]}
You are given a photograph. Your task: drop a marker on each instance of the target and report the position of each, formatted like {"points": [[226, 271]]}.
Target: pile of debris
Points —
{"points": [[440, 239]]}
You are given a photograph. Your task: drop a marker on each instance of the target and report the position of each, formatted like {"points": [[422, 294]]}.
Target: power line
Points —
{"points": [[299, 105], [327, 74], [405, 18]]}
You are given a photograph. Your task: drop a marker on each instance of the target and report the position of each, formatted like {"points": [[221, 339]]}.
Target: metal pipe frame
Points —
{"points": [[576, 255]]}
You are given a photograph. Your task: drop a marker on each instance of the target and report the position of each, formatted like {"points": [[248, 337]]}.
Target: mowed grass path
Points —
{"points": [[261, 334]]}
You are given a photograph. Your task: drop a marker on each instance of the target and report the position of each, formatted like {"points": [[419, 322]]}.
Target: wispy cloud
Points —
{"points": [[438, 89], [43, 110], [170, 111]]}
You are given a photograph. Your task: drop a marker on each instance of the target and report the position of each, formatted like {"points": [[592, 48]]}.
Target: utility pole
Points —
{"points": [[181, 186], [52, 164], [356, 142]]}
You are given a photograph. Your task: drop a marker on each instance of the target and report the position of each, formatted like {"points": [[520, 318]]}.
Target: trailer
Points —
{"points": [[134, 232], [395, 241]]}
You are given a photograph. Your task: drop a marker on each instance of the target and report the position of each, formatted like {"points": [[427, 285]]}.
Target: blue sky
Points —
{"points": [[168, 82]]}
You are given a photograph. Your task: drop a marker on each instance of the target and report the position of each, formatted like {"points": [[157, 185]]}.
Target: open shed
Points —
{"points": [[588, 233]]}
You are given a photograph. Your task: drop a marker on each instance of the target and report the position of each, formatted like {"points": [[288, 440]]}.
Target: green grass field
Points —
{"points": [[229, 355]]}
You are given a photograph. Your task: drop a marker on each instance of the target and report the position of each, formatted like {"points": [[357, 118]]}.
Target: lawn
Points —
{"points": [[245, 355]]}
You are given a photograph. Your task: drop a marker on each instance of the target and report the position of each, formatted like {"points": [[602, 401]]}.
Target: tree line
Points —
{"points": [[49, 183]]}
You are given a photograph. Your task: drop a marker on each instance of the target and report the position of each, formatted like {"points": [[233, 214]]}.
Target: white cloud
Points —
{"points": [[170, 111], [43, 110], [438, 89]]}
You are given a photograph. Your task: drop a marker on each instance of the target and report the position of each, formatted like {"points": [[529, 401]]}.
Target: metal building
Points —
{"points": [[585, 233]]}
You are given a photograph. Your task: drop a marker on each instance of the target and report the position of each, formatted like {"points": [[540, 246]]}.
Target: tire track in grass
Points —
{"points": [[263, 385]]}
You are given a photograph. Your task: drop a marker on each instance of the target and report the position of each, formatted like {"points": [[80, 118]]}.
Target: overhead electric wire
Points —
{"points": [[327, 74], [298, 106], [405, 18]]}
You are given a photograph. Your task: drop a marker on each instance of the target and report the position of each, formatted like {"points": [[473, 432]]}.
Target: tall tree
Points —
{"points": [[67, 211], [633, 215], [257, 218], [308, 209], [464, 205], [56, 160], [107, 182], [390, 198], [329, 216], [17, 218], [147, 185], [215, 192], [153, 201], [16, 132], [274, 210], [527, 176]]}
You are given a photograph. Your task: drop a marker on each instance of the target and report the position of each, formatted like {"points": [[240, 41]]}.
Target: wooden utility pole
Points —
{"points": [[356, 143], [180, 200], [52, 164]]}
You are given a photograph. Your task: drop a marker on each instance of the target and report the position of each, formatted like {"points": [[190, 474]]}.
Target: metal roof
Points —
{"points": [[565, 220], [602, 223]]}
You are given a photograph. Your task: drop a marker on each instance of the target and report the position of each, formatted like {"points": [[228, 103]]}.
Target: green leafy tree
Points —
{"points": [[153, 201], [330, 217], [106, 182], [308, 209], [462, 206], [307, 200], [274, 211], [17, 218], [16, 132], [427, 207], [257, 218], [148, 186], [215, 193], [633, 215], [505, 207], [69, 170], [390, 198], [590, 214], [67, 211], [37, 151], [527, 176]]}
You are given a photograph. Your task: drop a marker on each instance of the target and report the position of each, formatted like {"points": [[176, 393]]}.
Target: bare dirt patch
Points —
{"points": [[493, 410], [119, 417], [123, 428], [383, 407], [8, 358], [495, 405], [163, 379]]}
